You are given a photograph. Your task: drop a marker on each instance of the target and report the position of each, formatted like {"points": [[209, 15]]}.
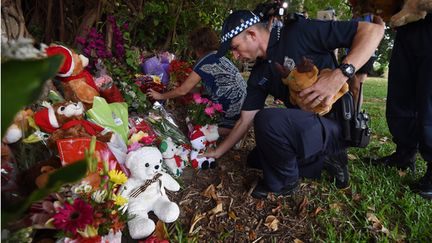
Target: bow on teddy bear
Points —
{"points": [[303, 76], [66, 120], [78, 84], [145, 191]]}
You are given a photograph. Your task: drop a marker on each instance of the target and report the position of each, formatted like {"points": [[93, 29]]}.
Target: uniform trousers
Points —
{"points": [[291, 143]]}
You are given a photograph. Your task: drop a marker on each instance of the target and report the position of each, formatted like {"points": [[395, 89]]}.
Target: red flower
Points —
{"points": [[73, 217]]}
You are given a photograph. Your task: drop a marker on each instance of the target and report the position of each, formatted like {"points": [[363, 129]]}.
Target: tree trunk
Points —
{"points": [[48, 28], [173, 32], [89, 19], [13, 23]]}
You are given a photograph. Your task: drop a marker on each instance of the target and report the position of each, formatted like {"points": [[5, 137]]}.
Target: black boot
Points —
{"points": [[424, 185], [401, 159], [337, 167]]}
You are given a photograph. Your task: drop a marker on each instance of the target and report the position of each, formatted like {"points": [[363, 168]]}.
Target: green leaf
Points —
{"points": [[22, 81], [64, 175]]}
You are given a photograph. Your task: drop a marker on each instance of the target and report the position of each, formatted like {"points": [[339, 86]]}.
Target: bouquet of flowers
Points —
{"points": [[146, 82], [179, 71], [92, 210], [202, 111]]}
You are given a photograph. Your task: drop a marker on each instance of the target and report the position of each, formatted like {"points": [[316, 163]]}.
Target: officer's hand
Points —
{"points": [[212, 153], [327, 85]]}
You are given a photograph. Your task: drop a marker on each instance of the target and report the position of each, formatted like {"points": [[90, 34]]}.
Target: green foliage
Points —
{"points": [[67, 174], [22, 81]]}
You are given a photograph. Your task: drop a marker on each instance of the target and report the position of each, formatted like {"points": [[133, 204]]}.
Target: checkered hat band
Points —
{"points": [[237, 30]]}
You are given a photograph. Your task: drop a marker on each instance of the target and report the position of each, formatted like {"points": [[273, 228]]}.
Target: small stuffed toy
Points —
{"points": [[171, 159], [19, 126], [211, 133], [302, 77], [145, 191], [78, 84], [199, 142], [183, 150], [66, 120], [412, 11]]}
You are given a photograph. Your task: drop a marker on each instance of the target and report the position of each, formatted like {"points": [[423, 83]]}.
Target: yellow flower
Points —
{"points": [[119, 200], [117, 177]]}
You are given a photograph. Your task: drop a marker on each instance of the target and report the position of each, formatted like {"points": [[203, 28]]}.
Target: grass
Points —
{"points": [[400, 215]]}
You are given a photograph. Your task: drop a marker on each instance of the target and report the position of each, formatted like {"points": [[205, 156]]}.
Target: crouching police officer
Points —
{"points": [[293, 142]]}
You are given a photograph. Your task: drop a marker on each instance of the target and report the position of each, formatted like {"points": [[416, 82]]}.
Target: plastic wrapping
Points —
{"points": [[113, 116], [164, 126]]}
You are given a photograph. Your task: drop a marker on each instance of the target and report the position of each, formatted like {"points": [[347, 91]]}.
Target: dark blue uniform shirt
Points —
{"points": [[314, 39]]}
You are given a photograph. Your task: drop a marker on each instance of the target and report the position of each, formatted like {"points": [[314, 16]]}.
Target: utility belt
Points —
{"points": [[354, 123]]}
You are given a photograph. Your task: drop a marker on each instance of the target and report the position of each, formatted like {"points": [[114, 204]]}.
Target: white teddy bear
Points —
{"points": [[145, 191]]}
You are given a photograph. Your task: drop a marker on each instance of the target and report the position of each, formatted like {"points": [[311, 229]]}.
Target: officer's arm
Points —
{"points": [[366, 40], [237, 133]]}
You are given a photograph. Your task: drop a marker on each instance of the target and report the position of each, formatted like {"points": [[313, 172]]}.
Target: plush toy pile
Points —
{"points": [[131, 157]]}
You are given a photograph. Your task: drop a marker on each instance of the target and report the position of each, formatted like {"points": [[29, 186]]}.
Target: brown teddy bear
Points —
{"points": [[66, 120], [78, 84], [19, 126], [412, 11], [304, 76]]}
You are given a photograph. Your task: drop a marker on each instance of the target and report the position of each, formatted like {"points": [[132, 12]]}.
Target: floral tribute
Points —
{"points": [[202, 111], [179, 71], [94, 210], [146, 82]]}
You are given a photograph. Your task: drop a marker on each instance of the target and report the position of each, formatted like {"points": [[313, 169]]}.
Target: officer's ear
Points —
{"points": [[252, 33]]}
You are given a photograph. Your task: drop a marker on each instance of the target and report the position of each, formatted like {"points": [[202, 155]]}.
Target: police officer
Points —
{"points": [[409, 100], [292, 142]]}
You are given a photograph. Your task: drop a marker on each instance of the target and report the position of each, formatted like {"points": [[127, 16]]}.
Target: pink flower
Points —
{"points": [[134, 146], [70, 218], [205, 100], [209, 111], [218, 107], [197, 98]]}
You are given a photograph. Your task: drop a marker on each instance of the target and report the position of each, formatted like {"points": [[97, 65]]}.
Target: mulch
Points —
{"points": [[216, 205]]}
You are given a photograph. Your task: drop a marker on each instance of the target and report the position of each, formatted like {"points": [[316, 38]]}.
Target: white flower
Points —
{"points": [[99, 196], [83, 187]]}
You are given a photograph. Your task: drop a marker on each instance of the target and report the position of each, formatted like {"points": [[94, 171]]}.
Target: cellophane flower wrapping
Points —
{"points": [[164, 126]]}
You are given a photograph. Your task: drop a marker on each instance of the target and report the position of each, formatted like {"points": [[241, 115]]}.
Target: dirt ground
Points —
{"points": [[216, 205]]}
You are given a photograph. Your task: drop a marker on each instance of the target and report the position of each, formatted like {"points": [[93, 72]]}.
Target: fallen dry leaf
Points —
{"points": [[402, 173], [232, 215], [239, 227], [210, 192], [277, 209], [336, 206], [317, 211], [217, 209], [352, 157], [272, 223], [383, 140], [237, 157], [260, 205], [357, 197], [298, 241], [160, 231], [252, 235], [196, 218], [372, 218], [303, 205]]}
